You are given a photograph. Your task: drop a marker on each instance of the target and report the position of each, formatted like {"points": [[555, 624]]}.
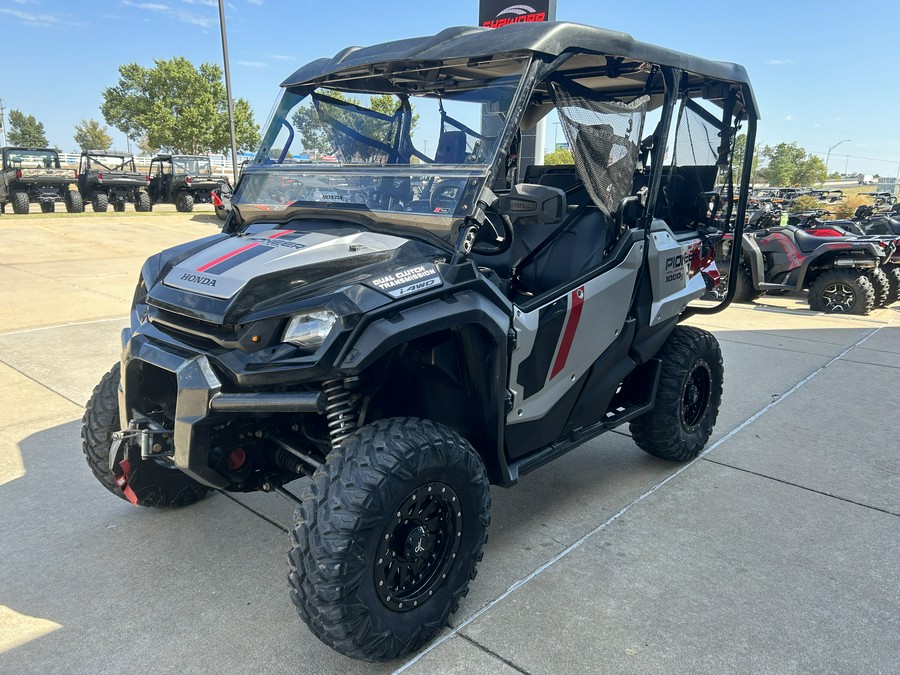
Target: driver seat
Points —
{"points": [[451, 148], [579, 247]]}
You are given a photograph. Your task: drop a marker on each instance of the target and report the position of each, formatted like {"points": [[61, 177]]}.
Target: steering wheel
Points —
{"points": [[502, 238], [445, 196]]}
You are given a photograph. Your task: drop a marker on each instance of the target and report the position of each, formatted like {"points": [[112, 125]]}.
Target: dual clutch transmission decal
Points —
{"points": [[407, 281]]}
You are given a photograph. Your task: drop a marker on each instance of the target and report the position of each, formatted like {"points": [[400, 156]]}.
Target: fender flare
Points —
{"points": [[463, 310]]}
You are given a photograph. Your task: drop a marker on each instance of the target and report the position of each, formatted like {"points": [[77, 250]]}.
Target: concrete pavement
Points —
{"points": [[775, 552]]}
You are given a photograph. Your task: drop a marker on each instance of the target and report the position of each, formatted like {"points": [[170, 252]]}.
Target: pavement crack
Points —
{"points": [[491, 652], [254, 511], [42, 385], [802, 487]]}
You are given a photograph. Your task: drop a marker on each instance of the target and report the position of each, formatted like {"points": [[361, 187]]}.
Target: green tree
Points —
{"points": [[25, 130], [740, 146], [91, 136], [561, 156], [179, 107], [317, 135], [789, 164]]}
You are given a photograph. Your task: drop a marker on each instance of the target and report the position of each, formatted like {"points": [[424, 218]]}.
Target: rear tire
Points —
{"points": [[99, 202], [842, 292], [882, 287], [687, 399], [142, 202], [74, 203], [387, 538], [119, 207], [20, 202], [153, 483], [893, 276], [184, 203]]}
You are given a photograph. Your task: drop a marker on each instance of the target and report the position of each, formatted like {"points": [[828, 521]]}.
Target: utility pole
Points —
{"points": [[234, 164], [2, 123], [828, 155]]}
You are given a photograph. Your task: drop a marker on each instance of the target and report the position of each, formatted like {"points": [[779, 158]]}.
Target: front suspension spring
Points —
{"points": [[340, 411]]}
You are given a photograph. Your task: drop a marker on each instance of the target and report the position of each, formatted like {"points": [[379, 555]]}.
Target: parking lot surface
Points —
{"points": [[775, 551]]}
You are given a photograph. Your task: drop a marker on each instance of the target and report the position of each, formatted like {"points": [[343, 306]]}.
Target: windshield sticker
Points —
{"points": [[408, 281]]}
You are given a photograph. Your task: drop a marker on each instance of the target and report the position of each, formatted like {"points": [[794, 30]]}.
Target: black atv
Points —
{"points": [[106, 177], [839, 272], [404, 328], [183, 180], [34, 175]]}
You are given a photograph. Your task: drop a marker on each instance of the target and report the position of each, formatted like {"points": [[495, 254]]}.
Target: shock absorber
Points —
{"points": [[340, 410]]}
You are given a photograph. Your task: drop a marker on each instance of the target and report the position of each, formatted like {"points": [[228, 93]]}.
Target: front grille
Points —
{"points": [[195, 332]]}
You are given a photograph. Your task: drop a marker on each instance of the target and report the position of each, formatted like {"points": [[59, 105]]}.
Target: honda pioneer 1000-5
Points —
{"points": [[426, 316]]}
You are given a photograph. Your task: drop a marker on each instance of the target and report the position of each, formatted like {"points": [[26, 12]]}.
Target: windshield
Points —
{"points": [[416, 142], [193, 166], [32, 159], [111, 163]]}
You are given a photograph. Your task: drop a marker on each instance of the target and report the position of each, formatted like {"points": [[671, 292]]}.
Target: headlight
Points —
{"points": [[310, 329]]}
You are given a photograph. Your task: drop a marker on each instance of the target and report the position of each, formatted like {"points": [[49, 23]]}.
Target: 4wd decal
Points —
{"points": [[408, 281]]}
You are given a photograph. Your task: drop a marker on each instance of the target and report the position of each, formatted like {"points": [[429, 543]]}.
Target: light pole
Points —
{"points": [[828, 156], [234, 165]]}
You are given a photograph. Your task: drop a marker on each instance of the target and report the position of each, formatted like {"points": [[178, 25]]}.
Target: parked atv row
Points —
{"points": [[842, 271], [34, 175], [103, 178]]}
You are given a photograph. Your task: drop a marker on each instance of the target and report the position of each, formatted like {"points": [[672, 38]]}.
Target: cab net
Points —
{"points": [[604, 138]]}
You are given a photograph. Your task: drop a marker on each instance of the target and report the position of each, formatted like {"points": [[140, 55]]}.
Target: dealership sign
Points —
{"points": [[497, 13]]}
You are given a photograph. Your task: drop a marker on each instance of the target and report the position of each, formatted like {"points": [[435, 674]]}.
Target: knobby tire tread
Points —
{"points": [[341, 506], [659, 432]]}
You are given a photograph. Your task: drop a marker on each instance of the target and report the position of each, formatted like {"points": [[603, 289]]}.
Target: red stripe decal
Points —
{"points": [[283, 233], [226, 257], [569, 333]]}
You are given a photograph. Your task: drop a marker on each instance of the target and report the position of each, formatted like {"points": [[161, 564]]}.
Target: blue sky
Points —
{"points": [[822, 72]]}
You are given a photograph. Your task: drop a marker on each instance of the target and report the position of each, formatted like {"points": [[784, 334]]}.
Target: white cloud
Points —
{"points": [[255, 2], [252, 64], [281, 57], [38, 20], [209, 20], [788, 118], [780, 62]]}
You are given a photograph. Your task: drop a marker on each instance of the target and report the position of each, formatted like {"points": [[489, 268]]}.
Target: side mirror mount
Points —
{"points": [[531, 204]]}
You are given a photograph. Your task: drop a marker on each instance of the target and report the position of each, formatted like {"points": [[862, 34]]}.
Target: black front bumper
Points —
{"points": [[199, 402]]}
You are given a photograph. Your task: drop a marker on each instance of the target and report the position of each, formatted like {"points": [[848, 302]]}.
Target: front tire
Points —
{"points": [[152, 483], [842, 292], [687, 399], [387, 538]]}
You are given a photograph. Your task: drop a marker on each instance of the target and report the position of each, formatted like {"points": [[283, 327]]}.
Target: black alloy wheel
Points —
{"points": [[846, 291], [695, 396], [419, 545]]}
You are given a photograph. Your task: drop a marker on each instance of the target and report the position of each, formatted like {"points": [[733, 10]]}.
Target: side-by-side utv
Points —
{"points": [[427, 316]]}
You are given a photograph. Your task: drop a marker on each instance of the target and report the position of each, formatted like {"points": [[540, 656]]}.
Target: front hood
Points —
{"points": [[224, 269]]}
